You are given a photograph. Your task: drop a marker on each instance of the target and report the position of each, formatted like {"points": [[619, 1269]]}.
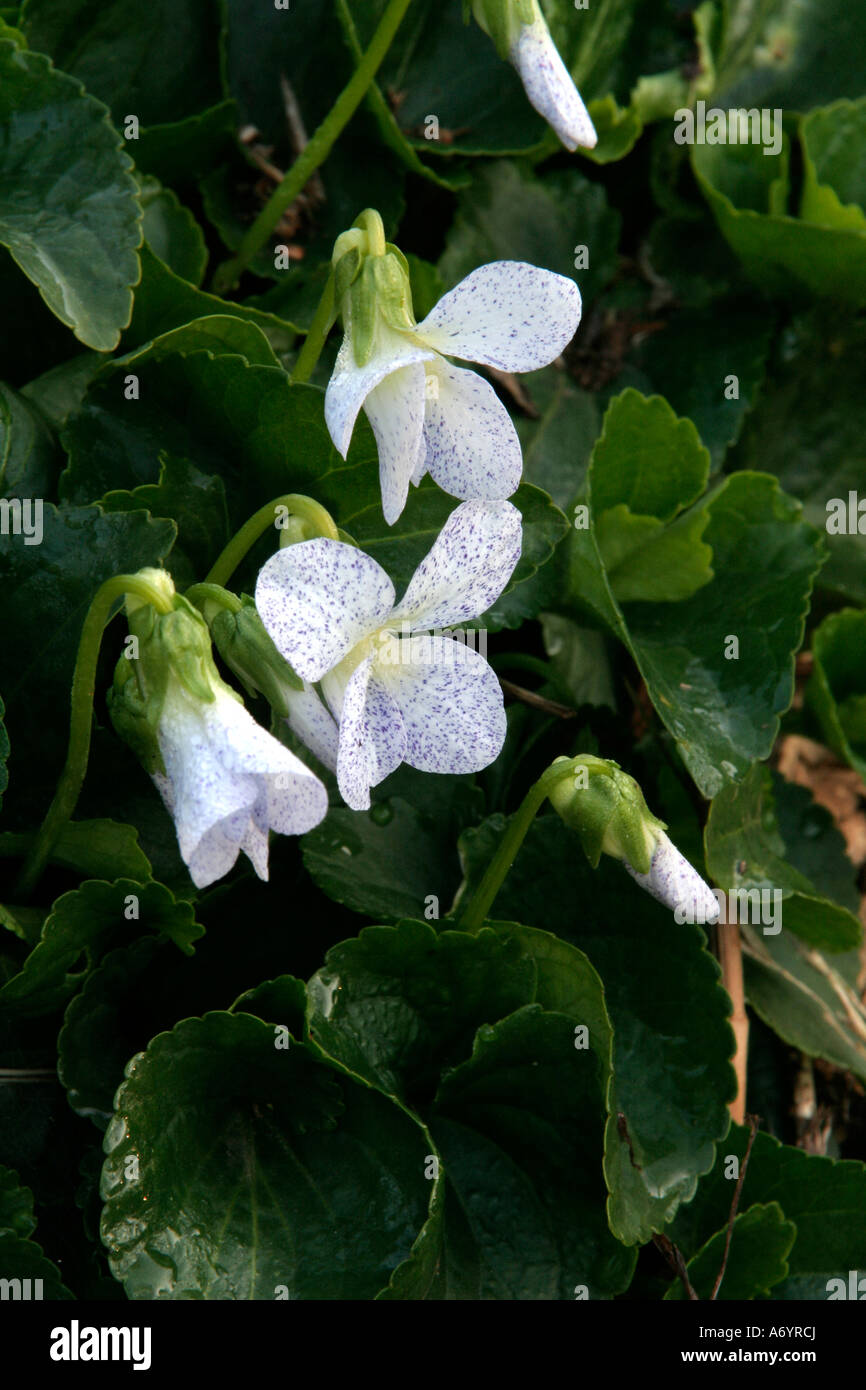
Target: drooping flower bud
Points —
{"points": [[520, 33], [607, 809], [245, 647]]}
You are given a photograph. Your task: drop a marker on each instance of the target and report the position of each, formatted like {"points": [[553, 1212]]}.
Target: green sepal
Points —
{"points": [[394, 291], [244, 645], [346, 271], [173, 646], [362, 301], [185, 642], [132, 716], [501, 20], [609, 813]]}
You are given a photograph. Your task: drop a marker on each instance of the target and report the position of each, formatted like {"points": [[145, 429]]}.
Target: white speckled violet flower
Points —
{"points": [[430, 701], [225, 781], [228, 782], [429, 416], [521, 35]]}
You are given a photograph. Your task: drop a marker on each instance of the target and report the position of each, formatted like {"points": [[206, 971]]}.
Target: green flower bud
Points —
{"points": [[244, 645], [607, 809]]}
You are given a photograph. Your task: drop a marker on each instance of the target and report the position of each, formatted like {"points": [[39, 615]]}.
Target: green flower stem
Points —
{"points": [[323, 321], [316, 151], [371, 224], [472, 917], [314, 519], [210, 598], [81, 718]]}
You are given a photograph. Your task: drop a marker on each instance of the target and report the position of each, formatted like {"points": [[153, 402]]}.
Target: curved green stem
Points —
{"points": [[472, 917], [81, 718], [323, 321], [316, 151], [315, 520], [209, 598]]}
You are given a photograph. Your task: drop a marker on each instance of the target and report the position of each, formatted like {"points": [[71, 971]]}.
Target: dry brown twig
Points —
{"points": [[730, 951]]}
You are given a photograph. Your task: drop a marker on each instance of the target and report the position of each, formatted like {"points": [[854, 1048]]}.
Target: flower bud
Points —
{"points": [[245, 647], [607, 809], [521, 36]]}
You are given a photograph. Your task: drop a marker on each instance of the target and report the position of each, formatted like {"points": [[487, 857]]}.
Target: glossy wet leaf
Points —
{"points": [[277, 1176], [825, 1198], [671, 1038], [71, 221], [86, 922]]}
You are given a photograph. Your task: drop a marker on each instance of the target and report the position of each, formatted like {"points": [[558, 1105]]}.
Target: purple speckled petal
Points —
{"points": [[395, 409], [451, 703], [468, 566], [472, 449], [549, 87], [507, 314], [372, 737], [317, 599], [314, 724], [420, 465], [254, 844], [350, 385], [673, 881], [228, 782]]}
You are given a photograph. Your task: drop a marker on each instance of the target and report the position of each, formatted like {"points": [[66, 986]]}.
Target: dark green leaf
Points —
{"points": [[812, 1003], [809, 428], [825, 1199], [764, 561], [92, 849], [261, 1172], [47, 591], [834, 144], [671, 1077], [746, 853], [509, 214], [837, 689], [400, 1004], [760, 1244], [283, 1000], [400, 858], [172, 232], [732, 344], [28, 452], [89, 920], [58, 393], [520, 1127], [195, 501], [164, 301], [747, 191], [160, 64], [23, 1260], [16, 1206], [71, 217]]}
